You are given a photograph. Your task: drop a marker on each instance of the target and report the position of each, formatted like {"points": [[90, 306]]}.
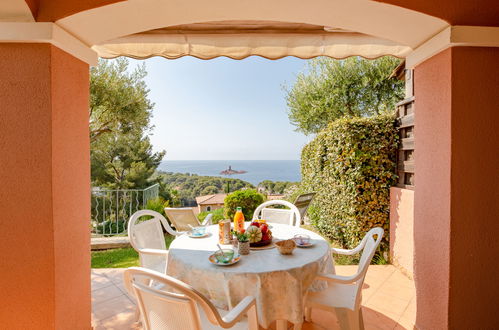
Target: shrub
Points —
{"points": [[218, 215], [157, 204], [351, 165], [248, 199], [110, 227]]}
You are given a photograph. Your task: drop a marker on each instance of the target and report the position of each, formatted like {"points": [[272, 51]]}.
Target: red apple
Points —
{"points": [[264, 228]]}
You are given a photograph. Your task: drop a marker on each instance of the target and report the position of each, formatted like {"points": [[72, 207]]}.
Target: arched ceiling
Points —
{"points": [[476, 12], [140, 28], [402, 26], [15, 11]]}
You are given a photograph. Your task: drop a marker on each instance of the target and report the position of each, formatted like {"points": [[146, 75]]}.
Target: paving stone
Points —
{"points": [[388, 301]]}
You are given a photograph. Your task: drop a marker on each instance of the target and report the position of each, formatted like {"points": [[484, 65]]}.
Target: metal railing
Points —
{"points": [[111, 208]]}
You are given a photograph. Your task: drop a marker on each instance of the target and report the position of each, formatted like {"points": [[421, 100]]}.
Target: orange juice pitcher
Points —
{"points": [[238, 220]]}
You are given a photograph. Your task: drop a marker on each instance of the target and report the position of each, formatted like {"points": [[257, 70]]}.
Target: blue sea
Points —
{"points": [[257, 170]]}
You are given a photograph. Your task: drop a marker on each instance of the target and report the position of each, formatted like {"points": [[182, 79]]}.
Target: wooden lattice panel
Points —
{"points": [[406, 166]]}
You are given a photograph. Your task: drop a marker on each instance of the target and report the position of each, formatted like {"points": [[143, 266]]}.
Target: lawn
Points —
{"points": [[119, 258]]}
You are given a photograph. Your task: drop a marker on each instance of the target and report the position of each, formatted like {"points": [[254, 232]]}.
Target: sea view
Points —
{"points": [[256, 170]]}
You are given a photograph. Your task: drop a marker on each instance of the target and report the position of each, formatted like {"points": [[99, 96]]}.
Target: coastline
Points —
{"points": [[256, 170]]}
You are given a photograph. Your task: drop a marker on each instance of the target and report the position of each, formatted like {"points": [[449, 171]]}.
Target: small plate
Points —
{"points": [[214, 261], [305, 245], [199, 236]]}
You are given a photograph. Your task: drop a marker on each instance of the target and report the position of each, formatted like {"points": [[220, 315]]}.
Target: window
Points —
{"points": [[208, 208]]}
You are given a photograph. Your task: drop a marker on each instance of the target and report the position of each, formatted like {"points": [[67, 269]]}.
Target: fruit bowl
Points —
{"points": [[261, 243], [259, 234]]}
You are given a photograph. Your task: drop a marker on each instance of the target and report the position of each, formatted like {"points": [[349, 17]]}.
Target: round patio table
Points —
{"points": [[278, 282]]}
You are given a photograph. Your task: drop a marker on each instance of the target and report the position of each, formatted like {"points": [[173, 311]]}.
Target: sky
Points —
{"points": [[223, 109]]}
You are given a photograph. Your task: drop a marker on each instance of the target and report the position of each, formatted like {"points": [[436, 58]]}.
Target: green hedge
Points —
{"points": [[351, 166], [247, 199]]}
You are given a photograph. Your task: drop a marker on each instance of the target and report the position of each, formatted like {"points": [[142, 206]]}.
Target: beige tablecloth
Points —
{"points": [[278, 282]]}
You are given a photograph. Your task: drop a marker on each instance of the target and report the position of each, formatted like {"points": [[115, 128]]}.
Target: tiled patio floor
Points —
{"points": [[388, 301]]}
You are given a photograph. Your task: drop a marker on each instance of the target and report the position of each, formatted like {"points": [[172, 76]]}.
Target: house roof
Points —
{"points": [[211, 199], [272, 197]]}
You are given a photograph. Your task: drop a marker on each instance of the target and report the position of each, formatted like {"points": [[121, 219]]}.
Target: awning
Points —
{"points": [[238, 40]]}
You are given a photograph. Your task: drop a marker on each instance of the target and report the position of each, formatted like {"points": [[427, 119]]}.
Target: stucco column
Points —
{"points": [[456, 196], [45, 189]]}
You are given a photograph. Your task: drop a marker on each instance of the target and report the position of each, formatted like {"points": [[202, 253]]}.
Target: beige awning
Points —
{"points": [[238, 40]]}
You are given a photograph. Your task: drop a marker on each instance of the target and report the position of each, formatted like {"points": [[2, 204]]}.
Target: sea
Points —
{"points": [[256, 170]]}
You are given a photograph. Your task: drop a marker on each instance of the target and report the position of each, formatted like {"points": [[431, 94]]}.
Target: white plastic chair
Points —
{"points": [[289, 217], [344, 293], [178, 306], [181, 218], [147, 238]]}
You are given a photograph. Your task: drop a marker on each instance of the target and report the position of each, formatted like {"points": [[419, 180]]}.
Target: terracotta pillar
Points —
{"points": [[456, 198], [45, 189]]}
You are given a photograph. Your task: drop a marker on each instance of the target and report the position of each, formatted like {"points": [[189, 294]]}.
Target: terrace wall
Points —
{"points": [[402, 229]]}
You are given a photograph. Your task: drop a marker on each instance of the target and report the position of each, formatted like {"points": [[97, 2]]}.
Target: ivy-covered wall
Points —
{"points": [[351, 165]]}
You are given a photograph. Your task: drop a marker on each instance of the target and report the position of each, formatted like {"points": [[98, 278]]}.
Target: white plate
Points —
{"points": [[199, 236], [214, 261]]}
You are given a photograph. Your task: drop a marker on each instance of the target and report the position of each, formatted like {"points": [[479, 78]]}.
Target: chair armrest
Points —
{"points": [[157, 252], [239, 311], [207, 220], [344, 252], [337, 278]]}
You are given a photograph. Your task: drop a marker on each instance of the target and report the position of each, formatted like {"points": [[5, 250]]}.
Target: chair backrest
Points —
{"points": [[302, 202], [145, 232], [370, 244], [289, 217], [181, 218], [173, 306]]}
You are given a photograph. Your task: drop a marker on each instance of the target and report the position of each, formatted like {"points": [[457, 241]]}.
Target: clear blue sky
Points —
{"points": [[223, 109]]}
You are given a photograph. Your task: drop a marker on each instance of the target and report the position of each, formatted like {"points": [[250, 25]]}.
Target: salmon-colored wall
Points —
{"points": [[402, 229], [27, 262], [44, 195], [432, 89], [474, 271], [456, 208], [71, 189]]}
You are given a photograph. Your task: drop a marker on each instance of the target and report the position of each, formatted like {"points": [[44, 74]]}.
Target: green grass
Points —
{"points": [[119, 258]]}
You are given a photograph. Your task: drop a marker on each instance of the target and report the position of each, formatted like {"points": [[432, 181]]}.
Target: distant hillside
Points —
{"points": [[276, 187], [189, 186]]}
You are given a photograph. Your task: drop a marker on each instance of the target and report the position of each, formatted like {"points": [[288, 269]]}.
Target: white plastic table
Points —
{"points": [[279, 282]]}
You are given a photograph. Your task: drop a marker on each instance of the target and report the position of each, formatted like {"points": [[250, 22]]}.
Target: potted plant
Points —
{"points": [[243, 239]]}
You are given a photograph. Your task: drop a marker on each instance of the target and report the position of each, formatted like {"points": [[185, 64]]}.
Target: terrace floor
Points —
{"points": [[388, 301]]}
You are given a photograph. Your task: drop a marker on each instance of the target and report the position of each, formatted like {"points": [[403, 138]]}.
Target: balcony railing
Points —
{"points": [[111, 208]]}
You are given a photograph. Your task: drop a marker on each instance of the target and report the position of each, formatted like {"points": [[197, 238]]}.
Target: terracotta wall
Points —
{"points": [[480, 12], [44, 195], [474, 271], [432, 81], [456, 198], [402, 229], [71, 189]]}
